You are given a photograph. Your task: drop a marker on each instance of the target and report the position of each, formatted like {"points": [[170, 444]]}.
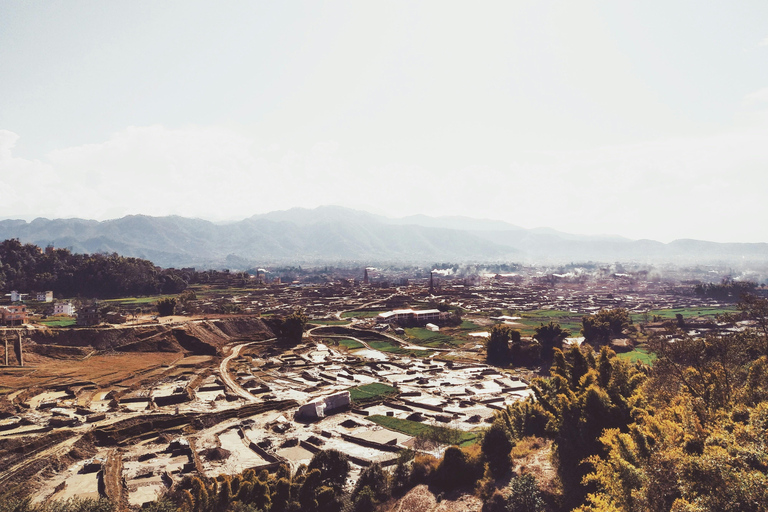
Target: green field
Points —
{"points": [[58, 322], [533, 319], [640, 353], [669, 314], [136, 301], [350, 344], [371, 392], [446, 336], [469, 326], [328, 322], [427, 338], [386, 346], [414, 428], [360, 314]]}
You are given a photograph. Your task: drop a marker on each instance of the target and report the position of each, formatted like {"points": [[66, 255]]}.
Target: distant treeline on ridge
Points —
{"points": [[26, 267]]}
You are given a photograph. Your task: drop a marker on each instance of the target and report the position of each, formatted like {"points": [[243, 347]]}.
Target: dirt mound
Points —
{"points": [[57, 351], [420, 499], [205, 337], [216, 454]]}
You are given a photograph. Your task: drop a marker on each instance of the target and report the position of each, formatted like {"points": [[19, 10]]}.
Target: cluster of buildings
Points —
{"points": [[17, 314]]}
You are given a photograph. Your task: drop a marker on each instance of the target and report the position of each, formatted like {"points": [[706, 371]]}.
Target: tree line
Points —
{"points": [[506, 346], [25, 267]]}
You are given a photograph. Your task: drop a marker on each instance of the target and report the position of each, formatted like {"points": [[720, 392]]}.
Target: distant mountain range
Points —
{"points": [[335, 235]]}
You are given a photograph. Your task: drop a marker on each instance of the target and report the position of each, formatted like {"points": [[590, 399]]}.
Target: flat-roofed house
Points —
{"points": [[13, 315], [63, 308], [409, 316]]}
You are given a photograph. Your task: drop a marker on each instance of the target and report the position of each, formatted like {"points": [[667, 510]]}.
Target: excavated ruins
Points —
{"points": [[127, 412]]}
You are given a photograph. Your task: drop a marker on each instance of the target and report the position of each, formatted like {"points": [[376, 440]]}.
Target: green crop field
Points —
{"points": [[371, 392], [414, 428], [58, 322], [669, 314], [136, 301], [386, 346], [445, 337], [329, 322], [640, 353], [430, 339], [532, 319], [360, 314], [350, 344], [469, 326]]}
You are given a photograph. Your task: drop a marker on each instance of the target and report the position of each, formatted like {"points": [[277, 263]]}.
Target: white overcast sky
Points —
{"points": [[647, 119]]}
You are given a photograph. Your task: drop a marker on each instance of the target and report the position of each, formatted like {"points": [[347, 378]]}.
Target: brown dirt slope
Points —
{"points": [[199, 337], [420, 499]]}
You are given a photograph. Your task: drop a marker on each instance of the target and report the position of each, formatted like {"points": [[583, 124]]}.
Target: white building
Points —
{"points": [[63, 308], [323, 406], [45, 296], [405, 315], [16, 296]]}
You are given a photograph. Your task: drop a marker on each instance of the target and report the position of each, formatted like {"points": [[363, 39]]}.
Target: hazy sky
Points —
{"points": [[647, 119]]}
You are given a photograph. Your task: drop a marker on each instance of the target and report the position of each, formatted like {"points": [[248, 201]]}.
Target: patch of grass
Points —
{"points": [[640, 353], [135, 301], [670, 314], [530, 320], [469, 326], [428, 338], [329, 322], [58, 322], [371, 392], [360, 314], [416, 429], [351, 344], [526, 446], [386, 346]]}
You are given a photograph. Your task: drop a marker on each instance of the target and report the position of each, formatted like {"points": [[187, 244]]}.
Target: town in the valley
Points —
{"points": [[123, 398]]}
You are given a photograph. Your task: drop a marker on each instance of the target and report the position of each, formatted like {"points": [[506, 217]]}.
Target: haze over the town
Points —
{"points": [[647, 120]]}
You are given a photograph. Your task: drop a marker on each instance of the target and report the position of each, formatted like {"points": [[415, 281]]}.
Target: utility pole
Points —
{"points": [[21, 354]]}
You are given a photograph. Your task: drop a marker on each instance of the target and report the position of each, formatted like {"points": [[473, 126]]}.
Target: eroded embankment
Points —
{"points": [[205, 337], [131, 430]]}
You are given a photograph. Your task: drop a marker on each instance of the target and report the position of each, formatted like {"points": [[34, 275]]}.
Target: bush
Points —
{"points": [[166, 306], [496, 448], [423, 468], [524, 495]]}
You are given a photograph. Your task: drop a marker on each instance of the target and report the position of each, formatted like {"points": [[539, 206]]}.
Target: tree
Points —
{"points": [[598, 329], [334, 468], [495, 449], [549, 337], [524, 495], [375, 480], [166, 306], [453, 470], [293, 326], [497, 350], [365, 500]]}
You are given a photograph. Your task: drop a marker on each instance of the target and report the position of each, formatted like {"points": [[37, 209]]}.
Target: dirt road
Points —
{"points": [[227, 379]]}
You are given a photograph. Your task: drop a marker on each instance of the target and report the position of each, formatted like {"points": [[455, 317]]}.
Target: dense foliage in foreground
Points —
{"points": [[687, 435]]}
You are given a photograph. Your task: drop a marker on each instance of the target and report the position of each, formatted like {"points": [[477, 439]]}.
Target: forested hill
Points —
{"points": [[330, 235], [26, 267]]}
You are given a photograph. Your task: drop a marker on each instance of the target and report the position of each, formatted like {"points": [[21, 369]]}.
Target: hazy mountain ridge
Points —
{"points": [[335, 235]]}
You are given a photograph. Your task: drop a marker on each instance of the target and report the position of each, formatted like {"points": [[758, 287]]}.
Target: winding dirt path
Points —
{"points": [[227, 379]]}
